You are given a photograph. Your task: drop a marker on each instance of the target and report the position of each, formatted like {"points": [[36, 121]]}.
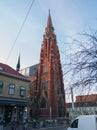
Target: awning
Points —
{"points": [[13, 103]]}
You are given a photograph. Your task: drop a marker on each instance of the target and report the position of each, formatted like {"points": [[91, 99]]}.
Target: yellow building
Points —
{"points": [[13, 94]]}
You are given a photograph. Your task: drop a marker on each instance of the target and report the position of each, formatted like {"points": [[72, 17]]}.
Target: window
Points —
{"points": [[44, 84], [43, 103], [11, 89], [58, 86], [1, 110], [74, 124], [1, 86], [1, 68], [22, 91]]}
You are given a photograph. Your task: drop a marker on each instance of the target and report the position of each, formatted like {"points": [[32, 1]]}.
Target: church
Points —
{"points": [[46, 93]]}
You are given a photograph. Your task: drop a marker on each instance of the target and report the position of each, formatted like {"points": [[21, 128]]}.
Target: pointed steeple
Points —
{"points": [[49, 22], [49, 27], [18, 64]]}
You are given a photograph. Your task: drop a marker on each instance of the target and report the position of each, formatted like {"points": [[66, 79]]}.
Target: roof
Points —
{"points": [[7, 70]]}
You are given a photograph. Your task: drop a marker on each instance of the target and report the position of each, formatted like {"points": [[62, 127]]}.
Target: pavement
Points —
{"points": [[19, 128], [28, 128]]}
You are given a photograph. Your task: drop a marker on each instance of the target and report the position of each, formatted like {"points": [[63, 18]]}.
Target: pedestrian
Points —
{"points": [[13, 125], [25, 127], [16, 125], [34, 123]]}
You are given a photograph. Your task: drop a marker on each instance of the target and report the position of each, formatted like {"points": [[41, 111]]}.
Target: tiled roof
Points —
{"points": [[8, 70]]}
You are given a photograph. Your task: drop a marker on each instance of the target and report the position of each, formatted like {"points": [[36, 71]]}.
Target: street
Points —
{"points": [[48, 128], [54, 128]]}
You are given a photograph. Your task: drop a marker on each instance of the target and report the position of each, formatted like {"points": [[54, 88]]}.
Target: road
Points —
{"points": [[54, 128], [30, 128]]}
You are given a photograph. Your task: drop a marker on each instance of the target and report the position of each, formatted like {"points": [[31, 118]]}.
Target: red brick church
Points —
{"points": [[47, 97]]}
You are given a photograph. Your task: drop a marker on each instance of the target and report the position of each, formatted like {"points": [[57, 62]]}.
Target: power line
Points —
{"points": [[20, 30]]}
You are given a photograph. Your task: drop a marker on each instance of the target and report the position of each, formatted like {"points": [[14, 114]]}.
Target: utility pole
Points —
{"points": [[73, 109]]}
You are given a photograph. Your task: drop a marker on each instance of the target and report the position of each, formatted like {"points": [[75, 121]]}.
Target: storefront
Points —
{"points": [[13, 110]]}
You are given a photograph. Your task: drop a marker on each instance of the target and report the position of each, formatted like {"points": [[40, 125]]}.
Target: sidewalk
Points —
{"points": [[19, 128], [29, 127]]}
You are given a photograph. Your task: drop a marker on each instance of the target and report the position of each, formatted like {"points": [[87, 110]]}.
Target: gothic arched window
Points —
{"points": [[43, 102], [58, 87], [44, 84]]}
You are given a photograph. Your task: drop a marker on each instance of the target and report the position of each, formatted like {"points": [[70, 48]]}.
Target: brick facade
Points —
{"points": [[50, 76], [47, 97], [86, 98], [84, 105]]}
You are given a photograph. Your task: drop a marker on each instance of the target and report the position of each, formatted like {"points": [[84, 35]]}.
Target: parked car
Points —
{"points": [[84, 122]]}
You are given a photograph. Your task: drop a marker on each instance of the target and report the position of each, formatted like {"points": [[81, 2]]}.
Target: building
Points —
{"points": [[84, 105], [87, 98], [13, 94], [31, 73], [47, 79]]}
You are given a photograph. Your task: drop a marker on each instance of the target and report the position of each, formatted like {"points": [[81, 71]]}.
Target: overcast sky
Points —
{"points": [[69, 17]]}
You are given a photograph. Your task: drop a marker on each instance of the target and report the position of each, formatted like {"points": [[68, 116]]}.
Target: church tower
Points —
{"points": [[51, 98]]}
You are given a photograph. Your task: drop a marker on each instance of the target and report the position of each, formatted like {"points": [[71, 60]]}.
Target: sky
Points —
{"points": [[69, 17]]}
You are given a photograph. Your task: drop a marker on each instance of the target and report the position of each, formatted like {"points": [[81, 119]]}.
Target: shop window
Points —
{"points": [[1, 110], [11, 89], [22, 91], [1, 86]]}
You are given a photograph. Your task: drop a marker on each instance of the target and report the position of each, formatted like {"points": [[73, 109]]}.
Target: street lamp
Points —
{"points": [[73, 108], [50, 113]]}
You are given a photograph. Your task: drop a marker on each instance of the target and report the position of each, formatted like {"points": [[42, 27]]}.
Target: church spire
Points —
{"points": [[18, 64], [49, 27], [49, 22]]}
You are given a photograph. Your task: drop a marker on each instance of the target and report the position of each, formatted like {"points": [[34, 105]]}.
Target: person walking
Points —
{"points": [[25, 127]]}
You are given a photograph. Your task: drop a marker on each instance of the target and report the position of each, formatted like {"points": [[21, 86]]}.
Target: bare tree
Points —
{"points": [[82, 64]]}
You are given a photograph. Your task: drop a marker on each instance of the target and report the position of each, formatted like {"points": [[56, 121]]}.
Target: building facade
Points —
{"points": [[84, 105], [13, 94], [47, 90], [50, 79]]}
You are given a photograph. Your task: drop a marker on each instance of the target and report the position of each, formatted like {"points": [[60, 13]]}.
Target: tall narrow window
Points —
{"points": [[44, 84], [1, 86], [11, 89], [22, 91], [43, 102]]}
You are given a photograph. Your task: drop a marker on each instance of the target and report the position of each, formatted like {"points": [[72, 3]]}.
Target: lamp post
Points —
{"points": [[73, 108], [50, 113]]}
